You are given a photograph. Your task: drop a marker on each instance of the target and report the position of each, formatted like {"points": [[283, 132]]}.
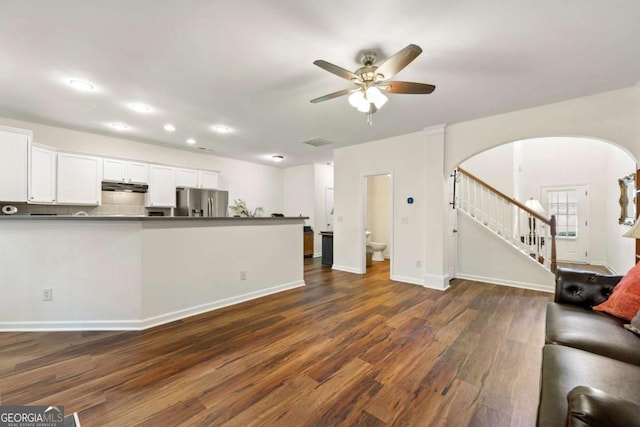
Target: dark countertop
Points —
{"points": [[148, 218]]}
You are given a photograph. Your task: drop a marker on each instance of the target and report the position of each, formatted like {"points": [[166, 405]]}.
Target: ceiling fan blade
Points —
{"points": [[338, 71], [398, 61], [407, 87], [333, 95]]}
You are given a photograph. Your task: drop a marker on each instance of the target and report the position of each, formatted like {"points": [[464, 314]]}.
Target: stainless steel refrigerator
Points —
{"points": [[197, 202]]}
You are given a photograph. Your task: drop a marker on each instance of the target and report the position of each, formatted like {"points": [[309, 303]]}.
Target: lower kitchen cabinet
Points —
{"points": [[308, 243]]}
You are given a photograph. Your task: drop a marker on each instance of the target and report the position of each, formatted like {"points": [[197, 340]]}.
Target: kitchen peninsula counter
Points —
{"points": [[132, 273]]}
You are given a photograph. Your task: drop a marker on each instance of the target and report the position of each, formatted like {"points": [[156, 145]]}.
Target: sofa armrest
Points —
{"points": [[592, 407], [583, 288]]}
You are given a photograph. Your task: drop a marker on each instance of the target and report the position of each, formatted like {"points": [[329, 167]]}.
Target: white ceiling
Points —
{"points": [[248, 64]]}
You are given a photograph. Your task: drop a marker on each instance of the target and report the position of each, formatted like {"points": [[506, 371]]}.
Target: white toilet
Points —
{"points": [[376, 247]]}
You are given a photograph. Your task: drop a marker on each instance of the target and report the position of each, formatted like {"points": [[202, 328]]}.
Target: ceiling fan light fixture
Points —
{"points": [[364, 106], [380, 101], [356, 98]]}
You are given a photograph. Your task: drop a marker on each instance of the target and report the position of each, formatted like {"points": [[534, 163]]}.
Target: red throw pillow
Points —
{"points": [[624, 302]]}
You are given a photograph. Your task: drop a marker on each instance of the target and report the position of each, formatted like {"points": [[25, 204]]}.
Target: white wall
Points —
{"points": [[495, 167], [134, 274], [305, 190], [484, 257], [379, 210], [258, 185], [94, 269], [565, 161], [422, 161], [298, 192], [620, 250], [405, 158]]}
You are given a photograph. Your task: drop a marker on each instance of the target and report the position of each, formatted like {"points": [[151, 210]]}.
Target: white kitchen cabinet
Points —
{"points": [[187, 178], [42, 176], [78, 179], [14, 160], [192, 178], [137, 173], [208, 180], [162, 187], [115, 170]]}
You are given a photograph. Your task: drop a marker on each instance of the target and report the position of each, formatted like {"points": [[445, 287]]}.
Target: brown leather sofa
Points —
{"points": [[590, 363]]}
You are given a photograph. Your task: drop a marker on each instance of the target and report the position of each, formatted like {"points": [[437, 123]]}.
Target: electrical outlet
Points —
{"points": [[418, 264], [47, 294], [243, 275]]}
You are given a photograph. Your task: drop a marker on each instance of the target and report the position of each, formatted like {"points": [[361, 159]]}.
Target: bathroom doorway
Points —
{"points": [[378, 230]]}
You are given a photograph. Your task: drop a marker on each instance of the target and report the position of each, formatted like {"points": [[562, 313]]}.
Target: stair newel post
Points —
{"points": [[552, 226]]}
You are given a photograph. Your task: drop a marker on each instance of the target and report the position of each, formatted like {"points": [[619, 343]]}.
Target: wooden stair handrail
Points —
{"points": [[504, 196], [551, 222]]}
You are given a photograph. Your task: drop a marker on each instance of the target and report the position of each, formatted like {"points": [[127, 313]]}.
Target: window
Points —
{"points": [[564, 205]]}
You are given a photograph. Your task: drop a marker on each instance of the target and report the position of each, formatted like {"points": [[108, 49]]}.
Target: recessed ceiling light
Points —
{"points": [[81, 85], [191, 141], [169, 127], [140, 108], [277, 158], [221, 129], [119, 126]]}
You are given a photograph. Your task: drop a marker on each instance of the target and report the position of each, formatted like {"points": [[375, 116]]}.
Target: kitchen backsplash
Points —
{"points": [[113, 203]]}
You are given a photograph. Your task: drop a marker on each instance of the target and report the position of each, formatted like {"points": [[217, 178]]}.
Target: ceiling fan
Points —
{"points": [[372, 80]]}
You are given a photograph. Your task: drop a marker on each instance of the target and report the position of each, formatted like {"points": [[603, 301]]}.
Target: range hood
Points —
{"points": [[121, 186]]}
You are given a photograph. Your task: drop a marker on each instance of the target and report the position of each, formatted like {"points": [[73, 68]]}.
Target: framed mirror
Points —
{"points": [[627, 199]]}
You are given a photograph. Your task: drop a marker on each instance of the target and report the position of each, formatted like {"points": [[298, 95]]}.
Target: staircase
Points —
{"points": [[519, 226]]}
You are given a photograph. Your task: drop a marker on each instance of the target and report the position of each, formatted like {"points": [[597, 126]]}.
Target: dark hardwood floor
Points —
{"points": [[586, 267], [344, 350]]}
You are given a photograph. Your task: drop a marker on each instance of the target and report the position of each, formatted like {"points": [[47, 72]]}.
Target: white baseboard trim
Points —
{"points": [[151, 322], [404, 279], [435, 281], [510, 283], [612, 270], [317, 254], [70, 325], [346, 269], [138, 325]]}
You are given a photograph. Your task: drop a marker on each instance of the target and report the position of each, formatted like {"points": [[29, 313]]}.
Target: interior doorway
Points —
{"points": [[377, 244]]}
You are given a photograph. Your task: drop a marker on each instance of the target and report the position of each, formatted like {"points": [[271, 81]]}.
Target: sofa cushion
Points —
{"points": [[624, 302], [590, 407], [564, 368], [591, 331]]}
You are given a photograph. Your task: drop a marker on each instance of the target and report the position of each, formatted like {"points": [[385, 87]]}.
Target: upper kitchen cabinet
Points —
{"points": [[14, 163], [192, 178], [42, 176], [162, 187], [209, 180], [115, 170], [79, 179], [187, 178]]}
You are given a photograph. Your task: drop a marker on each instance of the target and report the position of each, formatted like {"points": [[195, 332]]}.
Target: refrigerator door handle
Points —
{"points": [[210, 207]]}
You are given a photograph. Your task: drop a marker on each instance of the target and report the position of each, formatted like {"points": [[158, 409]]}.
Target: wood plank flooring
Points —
{"points": [[346, 350], [586, 267]]}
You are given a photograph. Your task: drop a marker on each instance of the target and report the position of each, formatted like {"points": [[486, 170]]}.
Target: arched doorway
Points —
{"points": [[573, 178]]}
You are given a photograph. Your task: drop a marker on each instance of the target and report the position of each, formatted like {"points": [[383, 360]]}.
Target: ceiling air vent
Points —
{"points": [[317, 142]]}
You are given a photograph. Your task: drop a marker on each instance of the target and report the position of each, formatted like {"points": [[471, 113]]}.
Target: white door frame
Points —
{"points": [[363, 219]]}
